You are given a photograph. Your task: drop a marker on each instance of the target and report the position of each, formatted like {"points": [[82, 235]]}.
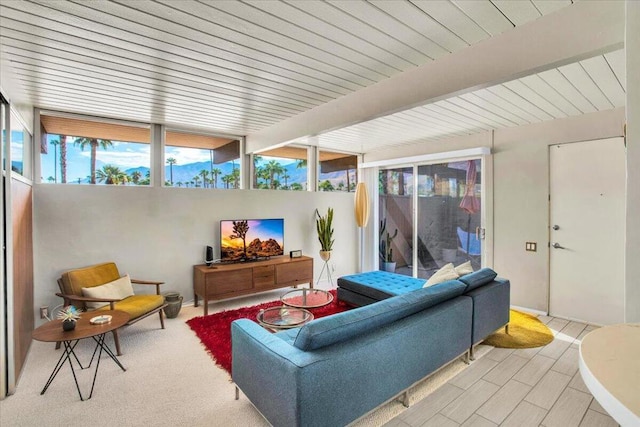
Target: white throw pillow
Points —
{"points": [[464, 268], [447, 272], [118, 289]]}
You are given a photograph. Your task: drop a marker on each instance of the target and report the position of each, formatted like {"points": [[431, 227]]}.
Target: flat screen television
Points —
{"points": [[251, 239]]}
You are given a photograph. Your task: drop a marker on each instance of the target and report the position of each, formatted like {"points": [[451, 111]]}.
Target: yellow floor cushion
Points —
{"points": [[137, 305]]}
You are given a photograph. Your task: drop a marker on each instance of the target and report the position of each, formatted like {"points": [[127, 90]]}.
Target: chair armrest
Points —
{"points": [[148, 282], [86, 299], [69, 298]]}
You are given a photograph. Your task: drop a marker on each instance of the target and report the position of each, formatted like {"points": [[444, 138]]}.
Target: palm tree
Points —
{"points": [[204, 174], [94, 143], [285, 176], [51, 179], [179, 183], [235, 177], [256, 169], [63, 159], [55, 144], [227, 180], [135, 177], [302, 163], [196, 180], [110, 174], [214, 173], [296, 186], [274, 168], [171, 161], [348, 183]]}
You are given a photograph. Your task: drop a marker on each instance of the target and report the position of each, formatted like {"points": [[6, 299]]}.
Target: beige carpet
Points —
{"points": [[170, 380]]}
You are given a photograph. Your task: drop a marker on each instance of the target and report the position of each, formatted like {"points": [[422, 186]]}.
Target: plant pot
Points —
{"points": [[325, 255], [68, 325], [174, 304], [388, 266]]}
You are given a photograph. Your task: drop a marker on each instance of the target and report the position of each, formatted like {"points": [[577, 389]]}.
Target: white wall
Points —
{"points": [[160, 233], [520, 192], [632, 266]]}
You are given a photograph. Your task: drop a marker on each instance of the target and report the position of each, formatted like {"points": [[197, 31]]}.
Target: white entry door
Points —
{"points": [[587, 217]]}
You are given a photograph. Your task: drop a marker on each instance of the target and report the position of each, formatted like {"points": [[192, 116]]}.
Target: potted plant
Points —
{"points": [[325, 233], [386, 252], [69, 315]]}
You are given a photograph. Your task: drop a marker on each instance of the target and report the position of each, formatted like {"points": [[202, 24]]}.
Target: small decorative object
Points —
{"points": [[69, 315], [295, 254], [101, 320], [386, 252], [174, 304]]}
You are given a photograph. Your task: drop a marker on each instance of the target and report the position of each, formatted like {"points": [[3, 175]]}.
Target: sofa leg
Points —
{"points": [[404, 399], [506, 329], [237, 393]]}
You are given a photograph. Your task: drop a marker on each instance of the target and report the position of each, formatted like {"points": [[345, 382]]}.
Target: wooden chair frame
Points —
{"points": [[69, 299]]}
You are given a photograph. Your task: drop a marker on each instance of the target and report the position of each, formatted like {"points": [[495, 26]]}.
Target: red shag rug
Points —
{"points": [[214, 330]]}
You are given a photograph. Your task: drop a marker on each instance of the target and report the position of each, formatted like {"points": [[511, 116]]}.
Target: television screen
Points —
{"points": [[248, 239]]}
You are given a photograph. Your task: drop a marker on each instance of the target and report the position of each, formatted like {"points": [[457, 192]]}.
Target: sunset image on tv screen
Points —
{"points": [[248, 239]]}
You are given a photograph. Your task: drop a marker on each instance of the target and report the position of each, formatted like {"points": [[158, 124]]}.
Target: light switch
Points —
{"points": [[531, 246]]}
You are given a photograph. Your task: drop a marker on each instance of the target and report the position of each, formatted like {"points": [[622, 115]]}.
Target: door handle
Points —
{"points": [[557, 246]]}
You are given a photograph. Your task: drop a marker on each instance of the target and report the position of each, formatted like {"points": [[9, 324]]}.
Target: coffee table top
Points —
{"points": [[52, 330], [307, 298], [283, 317]]}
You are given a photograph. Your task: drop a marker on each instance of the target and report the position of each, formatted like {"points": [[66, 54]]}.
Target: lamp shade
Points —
{"points": [[362, 205]]}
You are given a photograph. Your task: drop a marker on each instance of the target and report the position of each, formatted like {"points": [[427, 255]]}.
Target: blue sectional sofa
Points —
{"points": [[333, 370]]}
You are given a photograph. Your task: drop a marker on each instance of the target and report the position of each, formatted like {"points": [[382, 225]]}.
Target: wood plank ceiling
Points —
{"points": [[235, 67]]}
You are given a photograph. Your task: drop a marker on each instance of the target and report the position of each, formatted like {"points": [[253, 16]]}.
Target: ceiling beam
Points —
{"points": [[573, 33]]}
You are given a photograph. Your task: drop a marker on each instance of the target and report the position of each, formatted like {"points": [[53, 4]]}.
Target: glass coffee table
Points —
{"points": [[285, 317], [307, 298]]}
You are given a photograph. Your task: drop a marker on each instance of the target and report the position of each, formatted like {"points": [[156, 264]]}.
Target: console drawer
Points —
{"points": [[295, 272], [224, 282], [264, 276]]}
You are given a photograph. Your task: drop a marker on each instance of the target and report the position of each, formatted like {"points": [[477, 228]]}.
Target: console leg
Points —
{"points": [[506, 329], [237, 393], [471, 356], [466, 358]]}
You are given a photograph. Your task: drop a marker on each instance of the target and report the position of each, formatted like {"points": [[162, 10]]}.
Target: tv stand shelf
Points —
{"points": [[222, 281]]}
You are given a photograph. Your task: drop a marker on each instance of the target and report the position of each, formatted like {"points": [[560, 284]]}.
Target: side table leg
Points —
{"points": [[66, 355]]}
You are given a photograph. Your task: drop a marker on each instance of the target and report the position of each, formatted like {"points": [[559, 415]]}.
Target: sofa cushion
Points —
{"points": [[117, 289], [478, 278], [349, 324], [464, 268], [446, 272], [379, 285]]}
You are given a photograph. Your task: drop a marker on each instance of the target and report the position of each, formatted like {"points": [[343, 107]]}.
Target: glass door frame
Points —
{"points": [[371, 171]]}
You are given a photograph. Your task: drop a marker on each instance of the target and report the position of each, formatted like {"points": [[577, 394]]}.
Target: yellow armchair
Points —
{"points": [[138, 307]]}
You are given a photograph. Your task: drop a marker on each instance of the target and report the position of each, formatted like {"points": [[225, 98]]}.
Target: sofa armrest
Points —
{"points": [[264, 368]]}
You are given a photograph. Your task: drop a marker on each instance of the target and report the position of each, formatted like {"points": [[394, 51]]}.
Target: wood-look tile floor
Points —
{"points": [[517, 388]]}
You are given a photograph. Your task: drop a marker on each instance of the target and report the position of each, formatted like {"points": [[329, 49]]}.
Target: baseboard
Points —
{"points": [[530, 310]]}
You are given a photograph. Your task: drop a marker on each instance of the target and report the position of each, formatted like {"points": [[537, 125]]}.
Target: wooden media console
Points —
{"points": [[222, 281]]}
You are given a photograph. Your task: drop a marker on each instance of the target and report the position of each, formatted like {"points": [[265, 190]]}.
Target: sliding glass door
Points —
{"points": [[436, 210], [396, 220]]}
